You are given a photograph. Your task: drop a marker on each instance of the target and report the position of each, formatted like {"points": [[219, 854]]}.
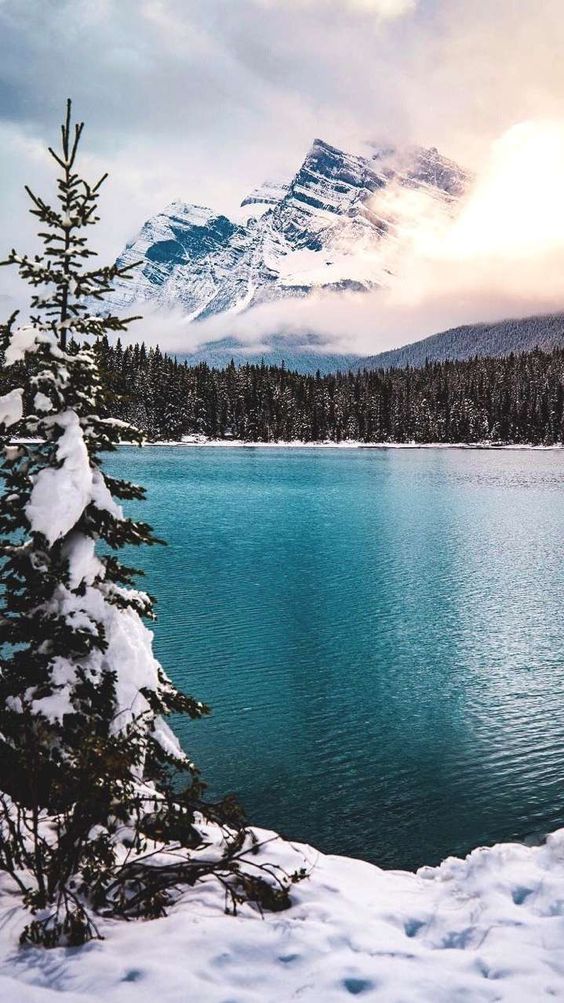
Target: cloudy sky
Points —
{"points": [[202, 99]]}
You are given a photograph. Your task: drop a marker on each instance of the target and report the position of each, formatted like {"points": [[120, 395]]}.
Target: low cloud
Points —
{"points": [[202, 101], [501, 256]]}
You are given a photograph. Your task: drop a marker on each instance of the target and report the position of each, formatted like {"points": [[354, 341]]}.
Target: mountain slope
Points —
{"points": [[334, 226], [496, 339], [300, 356]]}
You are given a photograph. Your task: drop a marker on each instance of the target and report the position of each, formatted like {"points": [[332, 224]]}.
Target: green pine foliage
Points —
{"points": [[101, 811]]}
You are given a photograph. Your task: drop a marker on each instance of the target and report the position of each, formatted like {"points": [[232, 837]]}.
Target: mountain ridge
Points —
{"points": [[331, 227], [495, 339], [334, 225]]}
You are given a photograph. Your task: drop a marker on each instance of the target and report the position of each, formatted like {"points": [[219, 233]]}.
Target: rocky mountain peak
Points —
{"points": [[327, 228]]}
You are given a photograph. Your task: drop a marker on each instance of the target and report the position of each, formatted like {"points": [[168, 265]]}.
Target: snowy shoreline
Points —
{"points": [[486, 928], [201, 442], [345, 444]]}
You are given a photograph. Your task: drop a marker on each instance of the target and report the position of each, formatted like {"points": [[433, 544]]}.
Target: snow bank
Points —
{"points": [[487, 928]]}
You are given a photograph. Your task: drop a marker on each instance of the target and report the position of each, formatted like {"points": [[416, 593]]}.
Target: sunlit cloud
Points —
{"points": [[383, 9], [201, 102], [517, 208], [500, 255]]}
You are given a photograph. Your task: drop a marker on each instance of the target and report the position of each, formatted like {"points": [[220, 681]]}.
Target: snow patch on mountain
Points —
{"points": [[341, 223]]}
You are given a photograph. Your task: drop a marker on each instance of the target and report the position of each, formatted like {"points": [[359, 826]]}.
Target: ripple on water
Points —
{"points": [[380, 635]]}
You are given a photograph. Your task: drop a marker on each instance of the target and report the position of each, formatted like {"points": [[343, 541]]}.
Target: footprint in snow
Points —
{"points": [[520, 894], [133, 975], [356, 986], [413, 926]]}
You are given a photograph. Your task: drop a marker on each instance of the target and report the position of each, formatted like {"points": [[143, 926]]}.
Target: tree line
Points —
{"points": [[515, 399]]}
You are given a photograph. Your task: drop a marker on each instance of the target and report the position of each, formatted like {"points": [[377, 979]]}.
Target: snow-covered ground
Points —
{"points": [[487, 928], [201, 440]]}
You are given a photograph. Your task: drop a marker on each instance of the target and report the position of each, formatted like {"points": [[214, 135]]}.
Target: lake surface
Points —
{"points": [[380, 634]]}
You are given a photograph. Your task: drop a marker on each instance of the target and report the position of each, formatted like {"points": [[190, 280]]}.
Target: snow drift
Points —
{"points": [[487, 928]]}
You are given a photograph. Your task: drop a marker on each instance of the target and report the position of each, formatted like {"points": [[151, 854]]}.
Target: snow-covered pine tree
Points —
{"points": [[92, 819]]}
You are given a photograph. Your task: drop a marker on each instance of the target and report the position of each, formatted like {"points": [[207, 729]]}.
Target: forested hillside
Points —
{"points": [[501, 337], [304, 353], [514, 399]]}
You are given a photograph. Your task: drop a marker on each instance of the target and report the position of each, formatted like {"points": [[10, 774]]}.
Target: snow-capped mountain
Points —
{"points": [[338, 224]]}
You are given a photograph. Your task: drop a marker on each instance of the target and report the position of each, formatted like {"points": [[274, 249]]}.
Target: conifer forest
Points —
{"points": [[517, 399]]}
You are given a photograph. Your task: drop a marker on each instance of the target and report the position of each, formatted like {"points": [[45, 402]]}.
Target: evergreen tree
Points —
{"points": [[92, 818]]}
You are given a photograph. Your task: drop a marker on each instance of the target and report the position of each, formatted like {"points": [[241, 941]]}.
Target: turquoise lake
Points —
{"points": [[380, 634]]}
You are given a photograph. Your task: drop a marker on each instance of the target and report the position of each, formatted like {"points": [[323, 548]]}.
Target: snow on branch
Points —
{"points": [[61, 494], [11, 407]]}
